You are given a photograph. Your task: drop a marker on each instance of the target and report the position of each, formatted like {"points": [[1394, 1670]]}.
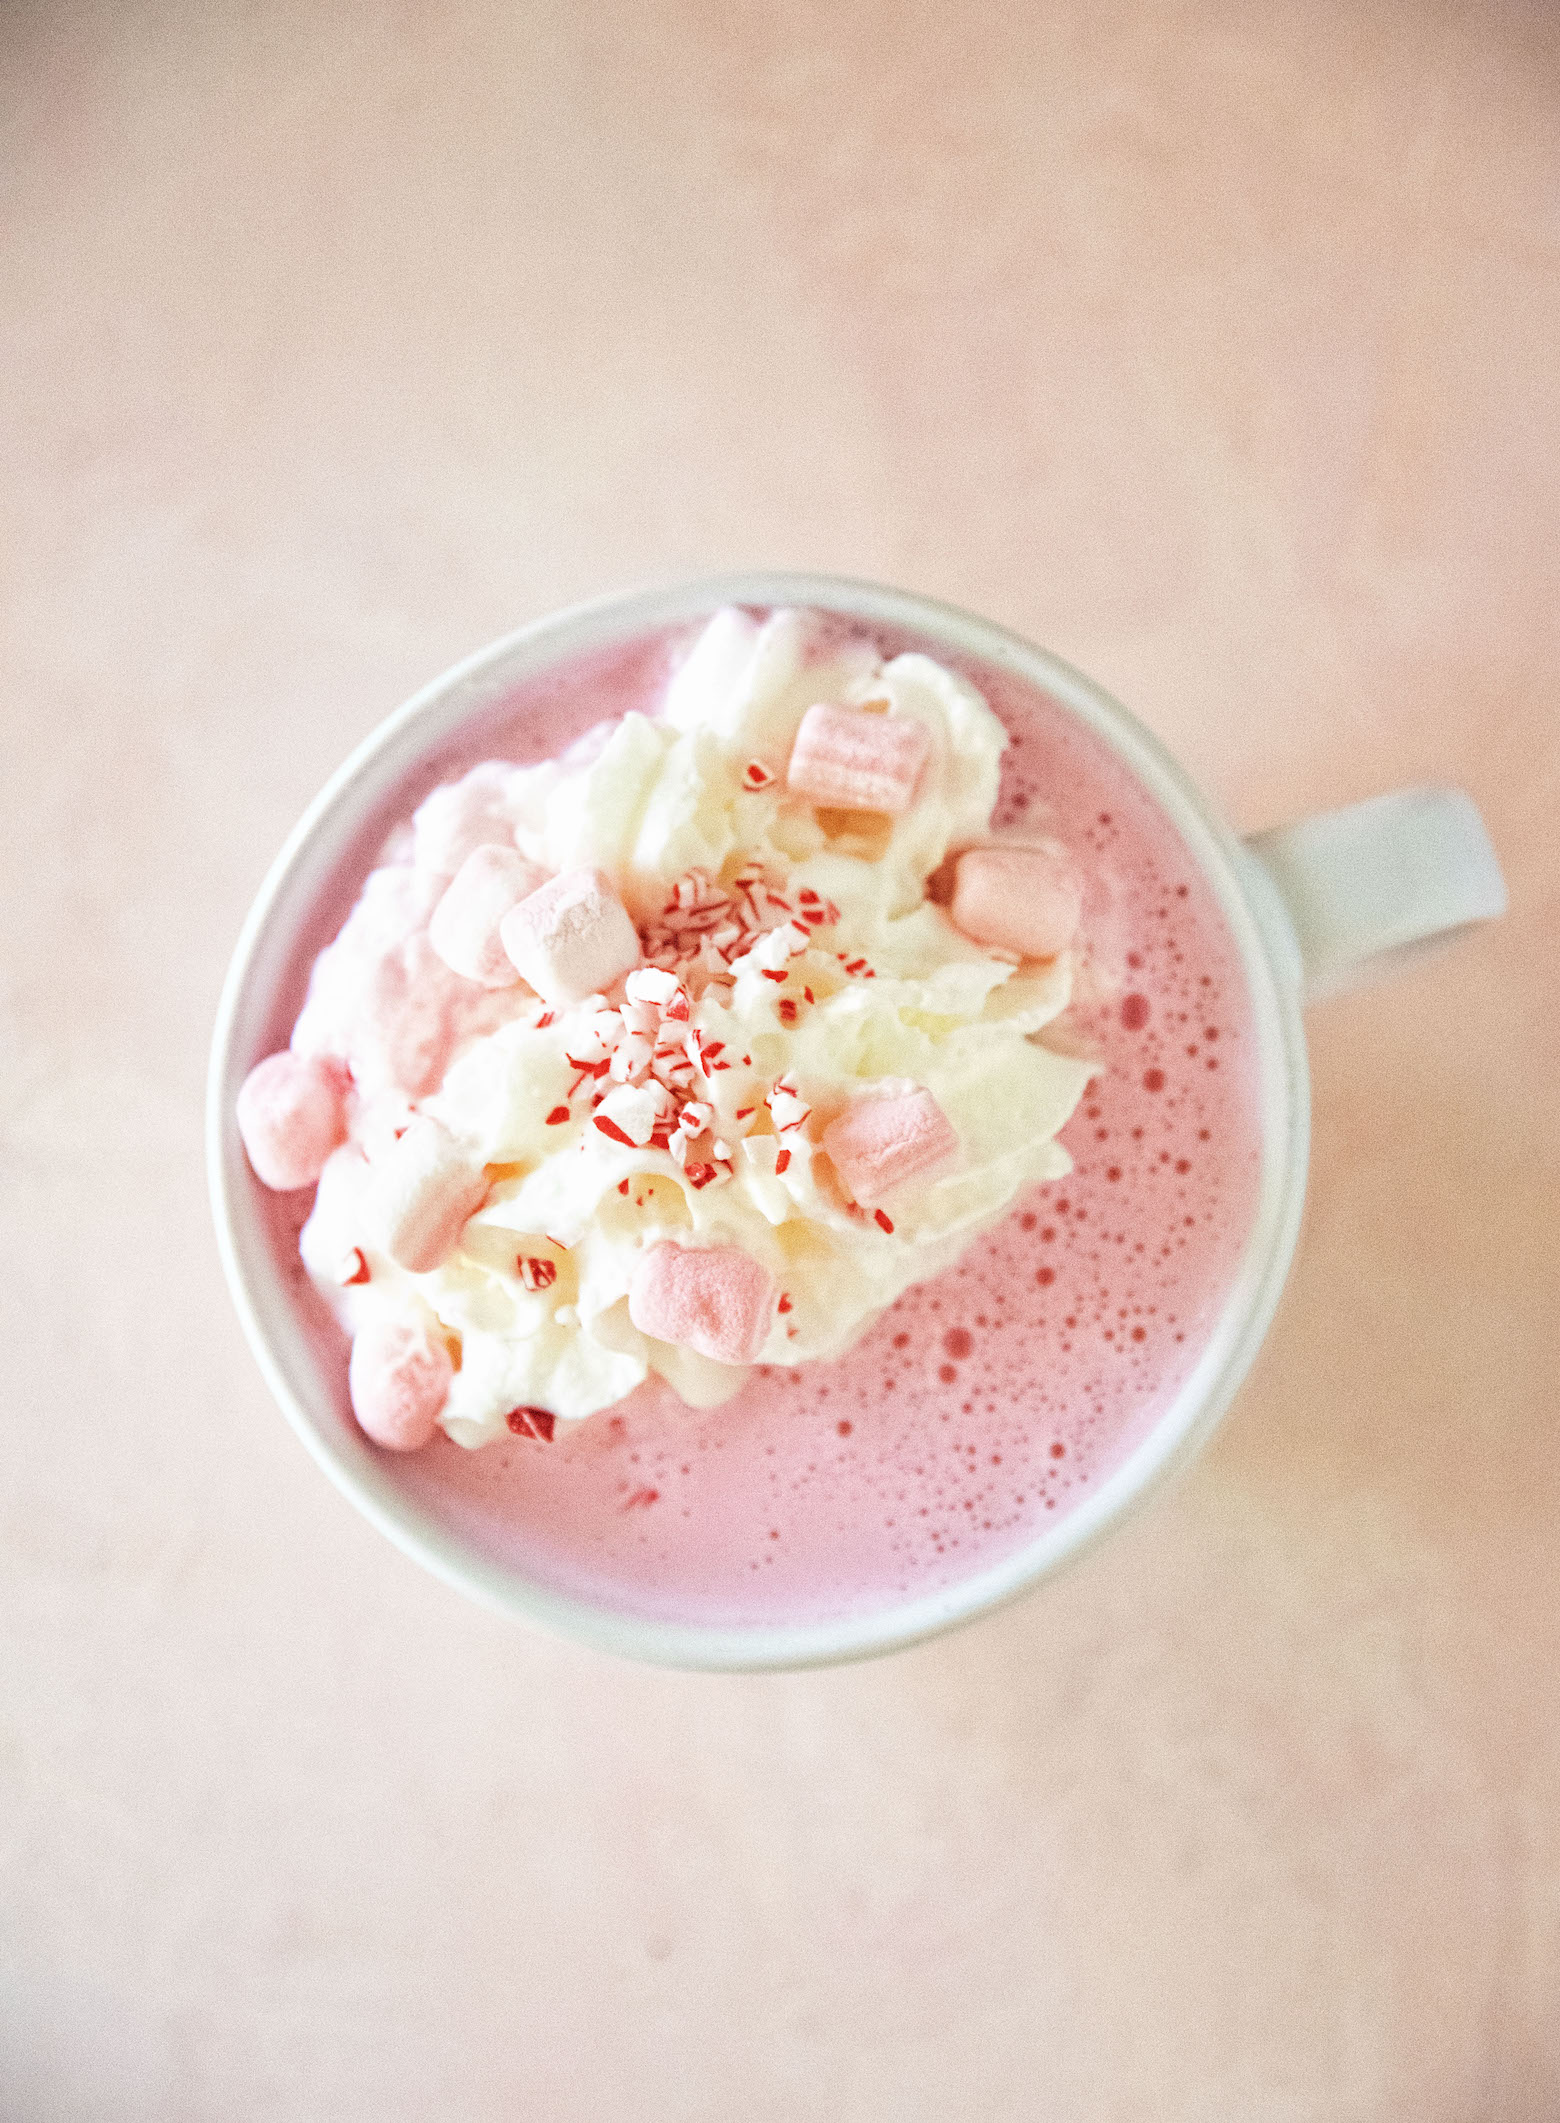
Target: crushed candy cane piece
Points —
{"points": [[538, 1423], [628, 1115], [649, 984], [787, 1108]]}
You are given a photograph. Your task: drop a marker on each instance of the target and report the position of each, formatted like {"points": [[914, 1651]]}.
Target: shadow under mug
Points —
{"points": [[1312, 907]]}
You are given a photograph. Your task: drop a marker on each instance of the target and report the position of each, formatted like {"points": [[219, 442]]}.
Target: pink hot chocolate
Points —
{"points": [[984, 1404]]}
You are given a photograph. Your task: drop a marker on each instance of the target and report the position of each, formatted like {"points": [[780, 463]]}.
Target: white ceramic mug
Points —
{"points": [[1312, 907]]}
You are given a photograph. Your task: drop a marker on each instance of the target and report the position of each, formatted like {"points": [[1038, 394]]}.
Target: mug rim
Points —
{"points": [[433, 714]]}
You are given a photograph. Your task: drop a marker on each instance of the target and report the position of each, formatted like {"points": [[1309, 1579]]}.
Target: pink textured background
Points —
{"points": [[1215, 347]]}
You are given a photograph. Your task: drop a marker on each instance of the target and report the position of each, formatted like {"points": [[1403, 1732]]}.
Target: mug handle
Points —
{"points": [[1351, 894]]}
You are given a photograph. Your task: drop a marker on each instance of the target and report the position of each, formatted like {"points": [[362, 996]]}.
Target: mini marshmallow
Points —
{"points": [[399, 1378], [464, 926], [291, 1117], [1026, 900], [888, 1137], [420, 1194], [853, 761], [571, 937], [716, 1300]]}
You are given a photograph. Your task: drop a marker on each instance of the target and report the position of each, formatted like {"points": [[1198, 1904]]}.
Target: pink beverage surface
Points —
{"points": [[984, 1404]]}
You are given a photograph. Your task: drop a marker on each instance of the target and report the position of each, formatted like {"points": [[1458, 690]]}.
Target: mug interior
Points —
{"points": [[449, 726]]}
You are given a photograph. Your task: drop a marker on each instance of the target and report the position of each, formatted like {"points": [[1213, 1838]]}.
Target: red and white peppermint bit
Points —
{"points": [[664, 1101], [595, 1039], [352, 1267], [755, 775], [787, 1108], [702, 1050], [631, 1057], [631, 1111], [536, 1273], [648, 986], [785, 1302], [536, 1423], [694, 890], [782, 1162], [643, 1018], [777, 947], [702, 927], [700, 1175], [883, 1220]]}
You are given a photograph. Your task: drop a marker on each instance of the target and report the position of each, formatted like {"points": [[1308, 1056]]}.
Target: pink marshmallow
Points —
{"points": [[291, 1117], [382, 999], [572, 937], [887, 1137], [399, 1378], [422, 1190], [1026, 900], [853, 761], [717, 1300], [464, 926]]}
